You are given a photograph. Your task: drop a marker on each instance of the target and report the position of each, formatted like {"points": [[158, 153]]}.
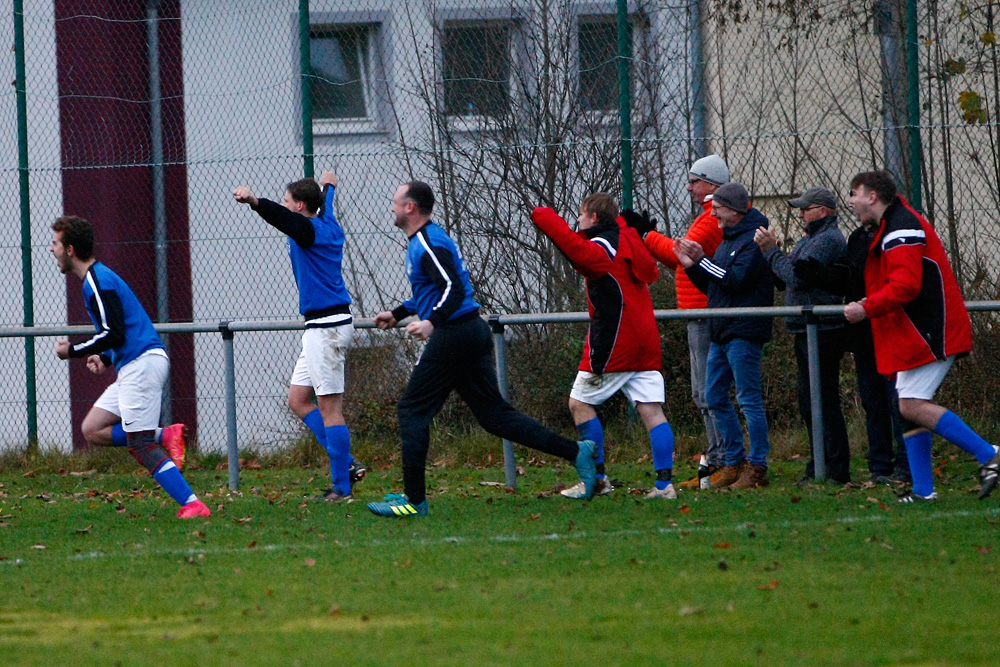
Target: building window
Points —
{"points": [[340, 57], [476, 68], [598, 58]]}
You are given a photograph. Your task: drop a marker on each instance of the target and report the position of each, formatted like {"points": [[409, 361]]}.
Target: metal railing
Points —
{"points": [[498, 324]]}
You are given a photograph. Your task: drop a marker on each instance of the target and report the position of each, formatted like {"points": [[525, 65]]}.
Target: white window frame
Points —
{"points": [[472, 18], [377, 44]]}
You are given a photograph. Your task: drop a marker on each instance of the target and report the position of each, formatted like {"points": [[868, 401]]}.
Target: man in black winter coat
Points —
{"points": [[735, 276]]}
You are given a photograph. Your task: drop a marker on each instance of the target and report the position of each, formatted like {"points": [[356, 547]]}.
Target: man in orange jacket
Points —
{"points": [[704, 178]]}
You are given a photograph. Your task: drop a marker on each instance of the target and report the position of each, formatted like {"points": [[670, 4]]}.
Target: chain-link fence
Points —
{"points": [[143, 116]]}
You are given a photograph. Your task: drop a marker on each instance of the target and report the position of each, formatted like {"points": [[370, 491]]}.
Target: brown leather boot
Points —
{"points": [[727, 475], [695, 482], [753, 476]]}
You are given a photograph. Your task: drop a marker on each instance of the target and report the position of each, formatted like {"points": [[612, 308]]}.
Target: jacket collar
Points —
{"points": [[817, 226], [751, 221], [601, 227]]}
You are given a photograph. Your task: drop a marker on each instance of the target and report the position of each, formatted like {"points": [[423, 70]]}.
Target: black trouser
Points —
{"points": [[881, 406], [459, 356], [835, 442]]}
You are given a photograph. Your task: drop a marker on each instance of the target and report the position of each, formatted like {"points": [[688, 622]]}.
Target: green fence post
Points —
{"points": [[305, 65], [625, 99], [31, 400], [913, 106]]}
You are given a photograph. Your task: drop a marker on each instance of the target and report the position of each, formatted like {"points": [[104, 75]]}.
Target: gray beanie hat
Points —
{"points": [[734, 196], [711, 169]]}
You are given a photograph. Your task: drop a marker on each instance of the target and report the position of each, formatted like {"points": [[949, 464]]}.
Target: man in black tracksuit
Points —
{"points": [[458, 355]]}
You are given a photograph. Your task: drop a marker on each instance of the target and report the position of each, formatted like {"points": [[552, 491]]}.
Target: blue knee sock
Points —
{"points": [[918, 450], [592, 430], [954, 430], [338, 440], [173, 483], [661, 439], [118, 437], [314, 420]]}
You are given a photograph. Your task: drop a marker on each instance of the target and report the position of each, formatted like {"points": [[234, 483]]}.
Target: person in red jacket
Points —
{"points": [[920, 325], [704, 178], [622, 349]]}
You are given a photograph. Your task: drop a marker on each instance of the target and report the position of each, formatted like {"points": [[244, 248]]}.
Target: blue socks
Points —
{"points": [[118, 437], [314, 420], [169, 477], [338, 446], [592, 430], [954, 430], [661, 440], [918, 450]]}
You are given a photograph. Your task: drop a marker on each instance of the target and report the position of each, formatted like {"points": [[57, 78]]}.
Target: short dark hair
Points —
{"points": [[879, 182], [422, 195], [600, 204], [76, 232], [306, 191]]}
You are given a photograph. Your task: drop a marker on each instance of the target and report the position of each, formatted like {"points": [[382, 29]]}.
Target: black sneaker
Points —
{"points": [[879, 478], [805, 479], [357, 472], [988, 476], [901, 476]]}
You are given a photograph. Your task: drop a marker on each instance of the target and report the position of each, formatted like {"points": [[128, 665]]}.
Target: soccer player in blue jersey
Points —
{"points": [[458, 355], [125, 339], [316, 250]]}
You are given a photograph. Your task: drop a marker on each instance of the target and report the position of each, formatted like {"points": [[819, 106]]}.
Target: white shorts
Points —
{"points": [[638, 387], [321, 363], [923, 381], [135, 396]]}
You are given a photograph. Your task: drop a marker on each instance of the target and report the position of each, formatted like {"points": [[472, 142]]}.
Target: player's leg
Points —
{"points": [[477, 385], [102, 427], [140, 390], [325, 352], [916, 389], [590, 390], [645, 390]]}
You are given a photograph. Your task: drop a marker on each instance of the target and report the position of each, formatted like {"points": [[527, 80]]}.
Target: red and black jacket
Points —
{"points": [[917, 311], [623, 335]]}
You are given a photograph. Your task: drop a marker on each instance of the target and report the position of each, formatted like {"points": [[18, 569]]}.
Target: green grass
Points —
{"points": [[783, 576]]}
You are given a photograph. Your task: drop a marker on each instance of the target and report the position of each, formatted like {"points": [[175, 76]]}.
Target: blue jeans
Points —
{"points": [[739, 361]]}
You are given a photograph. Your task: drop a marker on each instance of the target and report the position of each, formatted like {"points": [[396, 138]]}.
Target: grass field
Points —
{"points": [[96, 570]]}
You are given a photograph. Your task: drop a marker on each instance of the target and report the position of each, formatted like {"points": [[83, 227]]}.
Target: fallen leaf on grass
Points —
{"points": [[688, 611], [795, 499], [84, 531], [63, 472], [246, 519], [723, 565], [334, 610], [888, 546], [310, 562], [770, 586], [408, 563], [984, 550], [29, 474], [683, 509], [83, 473], [38, 546], [490, 484], [722, 545], [252, 544], [532, 517]]}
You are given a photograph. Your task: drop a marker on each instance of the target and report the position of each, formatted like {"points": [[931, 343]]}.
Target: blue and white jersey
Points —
{"points": [[318, 267], [316, 250], [441, 287], [124, 330]]}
